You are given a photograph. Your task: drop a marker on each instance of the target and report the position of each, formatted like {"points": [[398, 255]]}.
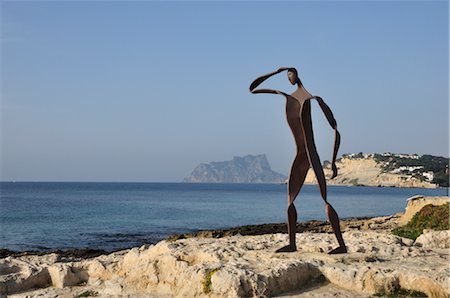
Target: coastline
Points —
{"points": [[314, 226], [87, 210], [377, 263], [241, 262]]}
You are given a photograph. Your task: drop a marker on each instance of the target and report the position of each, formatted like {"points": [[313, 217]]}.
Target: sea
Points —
{"points": [[43, 216]]}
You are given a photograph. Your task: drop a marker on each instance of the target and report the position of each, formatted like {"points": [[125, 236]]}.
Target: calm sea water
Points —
{"points": [[110, 216]]}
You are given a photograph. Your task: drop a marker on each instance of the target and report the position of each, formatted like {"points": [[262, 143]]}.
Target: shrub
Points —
{"points": [[429, 217]]}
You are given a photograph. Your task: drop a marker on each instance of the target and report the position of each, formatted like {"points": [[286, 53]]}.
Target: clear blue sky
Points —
{"points": [[145, 91]]}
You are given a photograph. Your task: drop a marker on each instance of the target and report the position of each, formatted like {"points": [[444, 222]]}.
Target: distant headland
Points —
{"points": [[246, 169], [388, 170], [373, 169]]}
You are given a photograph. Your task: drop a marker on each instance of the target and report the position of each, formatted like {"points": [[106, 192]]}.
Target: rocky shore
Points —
{"points": [[315, 226], [241, 262]]}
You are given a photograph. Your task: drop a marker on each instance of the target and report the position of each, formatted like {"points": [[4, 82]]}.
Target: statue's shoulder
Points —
{"points": [[302, 96]]}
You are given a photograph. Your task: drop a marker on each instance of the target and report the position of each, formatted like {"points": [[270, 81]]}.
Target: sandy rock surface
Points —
{"points": [[238, 266]]}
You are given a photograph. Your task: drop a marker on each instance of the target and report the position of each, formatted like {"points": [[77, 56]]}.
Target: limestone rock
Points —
{"points": [[434, 239], [416, 203], [248, 266], [243, 266], [25, 273], [65, 275]]}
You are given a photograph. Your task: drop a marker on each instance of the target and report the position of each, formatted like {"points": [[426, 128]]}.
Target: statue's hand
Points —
{"points": [[335, 170], [282, 69]]}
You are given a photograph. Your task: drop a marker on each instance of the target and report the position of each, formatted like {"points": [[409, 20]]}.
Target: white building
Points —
{"points": [[411, 156], [428, 175], [405, 168]]}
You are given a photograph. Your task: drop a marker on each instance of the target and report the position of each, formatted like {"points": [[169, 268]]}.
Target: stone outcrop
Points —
{"points": [[247, 169], [25, 273], [416, 203], [366, 172], [240, 266], [434, 239], [67, 274]]}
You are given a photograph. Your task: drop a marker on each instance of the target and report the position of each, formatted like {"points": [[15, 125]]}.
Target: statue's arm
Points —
{"points": [[262, 78], [337, 136]]}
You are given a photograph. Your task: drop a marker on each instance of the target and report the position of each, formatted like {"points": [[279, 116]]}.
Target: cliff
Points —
{"points": [[367, 171], [247, 169]]}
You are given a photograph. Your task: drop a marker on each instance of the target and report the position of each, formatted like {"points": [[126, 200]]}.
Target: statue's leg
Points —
{"points": [[334, 220], [317, 167], [296, 178]]}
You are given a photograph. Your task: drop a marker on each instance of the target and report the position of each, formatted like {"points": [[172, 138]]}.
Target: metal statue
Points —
{"points": [[298, 113]]}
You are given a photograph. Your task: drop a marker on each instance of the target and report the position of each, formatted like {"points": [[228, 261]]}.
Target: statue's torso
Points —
{"points": [[296, 104]]}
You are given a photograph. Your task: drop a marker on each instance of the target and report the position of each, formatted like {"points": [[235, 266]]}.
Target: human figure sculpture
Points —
{"points": [[298, 113]]}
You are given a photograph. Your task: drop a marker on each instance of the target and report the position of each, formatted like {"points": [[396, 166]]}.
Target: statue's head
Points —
{"points": [[293, 76]]}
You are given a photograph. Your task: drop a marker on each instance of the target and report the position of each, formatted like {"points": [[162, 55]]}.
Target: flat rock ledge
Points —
{"points": [[240, 266]]}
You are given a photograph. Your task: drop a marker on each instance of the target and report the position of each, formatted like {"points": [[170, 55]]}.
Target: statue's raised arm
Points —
{"points": [[262, 78]]}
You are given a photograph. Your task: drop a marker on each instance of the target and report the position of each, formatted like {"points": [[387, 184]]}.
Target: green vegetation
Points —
{"points": [[441, 179], [207, 281], [400, 292], [359, 155], [429, 217], [355, 156], [89, 293]]}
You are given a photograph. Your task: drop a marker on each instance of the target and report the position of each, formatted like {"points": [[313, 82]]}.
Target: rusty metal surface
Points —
{"points": [[298, 115]]}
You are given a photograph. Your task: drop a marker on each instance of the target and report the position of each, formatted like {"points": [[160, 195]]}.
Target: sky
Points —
{"points": [[144, 91]]}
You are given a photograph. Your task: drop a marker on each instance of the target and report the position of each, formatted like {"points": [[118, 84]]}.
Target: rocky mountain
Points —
{"points": [[247, 169]]}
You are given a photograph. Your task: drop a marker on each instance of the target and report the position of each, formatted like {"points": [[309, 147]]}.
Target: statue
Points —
{"points": [[298, 113]]}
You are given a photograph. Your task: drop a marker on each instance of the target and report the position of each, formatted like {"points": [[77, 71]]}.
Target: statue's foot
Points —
{"points": [[338, 250], [287, 248]]}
